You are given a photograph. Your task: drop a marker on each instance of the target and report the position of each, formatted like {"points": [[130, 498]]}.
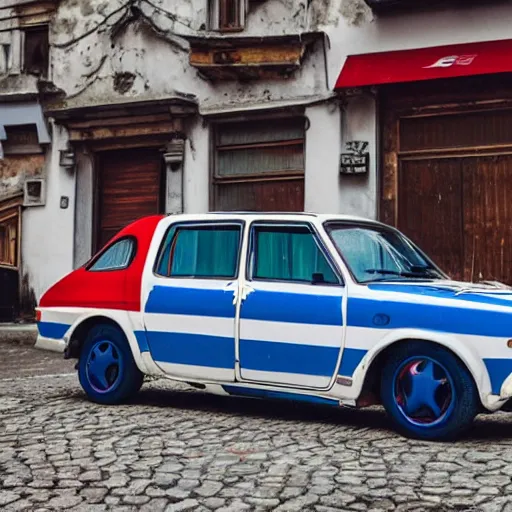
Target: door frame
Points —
{"points": [[98, 163], [149, 277], [245, 288]]}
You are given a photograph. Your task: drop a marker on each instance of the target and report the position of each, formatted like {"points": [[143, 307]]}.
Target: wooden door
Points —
{"points": [[430, 209], [487, 218], [457, 210], [129, 187]]}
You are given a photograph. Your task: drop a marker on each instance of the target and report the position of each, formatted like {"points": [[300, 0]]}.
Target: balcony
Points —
{"points": [[249, 58]]}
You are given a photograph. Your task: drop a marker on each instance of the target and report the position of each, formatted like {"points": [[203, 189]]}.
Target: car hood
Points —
{"points": [[491, 293]]}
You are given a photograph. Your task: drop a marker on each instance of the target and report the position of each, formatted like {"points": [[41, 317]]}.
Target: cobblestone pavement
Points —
{"points": [[178, 450]]}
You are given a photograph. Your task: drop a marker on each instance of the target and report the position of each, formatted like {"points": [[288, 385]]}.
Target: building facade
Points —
{"points": [[114, 110], [438, 80]]}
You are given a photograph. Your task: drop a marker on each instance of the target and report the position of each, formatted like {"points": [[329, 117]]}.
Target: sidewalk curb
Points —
{"points": [[21, 334]]}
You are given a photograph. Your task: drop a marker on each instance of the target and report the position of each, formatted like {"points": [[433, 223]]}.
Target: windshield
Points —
{"points": [[379, 254]]}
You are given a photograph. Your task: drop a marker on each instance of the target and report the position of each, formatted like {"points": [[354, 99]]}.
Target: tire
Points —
{"points": [[428, 393], [106, 369]]}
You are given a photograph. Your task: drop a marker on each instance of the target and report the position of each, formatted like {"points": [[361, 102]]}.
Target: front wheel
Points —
{"points": [[427, 392], [106, 368]]}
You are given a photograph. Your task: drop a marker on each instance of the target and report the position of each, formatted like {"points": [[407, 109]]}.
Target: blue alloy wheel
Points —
{"points": [[428, 392], [424, 391], [106, 368]]}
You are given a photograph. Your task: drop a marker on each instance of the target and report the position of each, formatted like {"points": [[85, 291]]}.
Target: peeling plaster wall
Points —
{"points": [[47, 232], [14, 169], [139, 63]]}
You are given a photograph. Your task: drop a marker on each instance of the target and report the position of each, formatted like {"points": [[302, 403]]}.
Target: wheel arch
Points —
{"points": [[120, 320], [367, 375]]}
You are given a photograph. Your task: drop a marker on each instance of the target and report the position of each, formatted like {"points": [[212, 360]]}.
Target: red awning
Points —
{"points": [[426, 64]]}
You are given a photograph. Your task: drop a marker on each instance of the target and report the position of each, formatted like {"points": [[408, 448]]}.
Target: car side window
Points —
{"points": [[117, 257], [289, 253], [206, 251]]}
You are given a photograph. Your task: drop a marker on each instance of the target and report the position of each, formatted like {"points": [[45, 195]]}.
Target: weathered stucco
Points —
{"points": [[14, 169], [146, 58]]}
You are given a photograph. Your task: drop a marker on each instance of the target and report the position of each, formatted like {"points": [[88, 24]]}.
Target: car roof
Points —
{"points": [[278, 215]]}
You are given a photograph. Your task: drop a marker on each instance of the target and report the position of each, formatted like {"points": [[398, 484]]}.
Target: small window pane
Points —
{"points": [[290, 254], [202, 252], [261, 160], [260, 132], [116, 257]]}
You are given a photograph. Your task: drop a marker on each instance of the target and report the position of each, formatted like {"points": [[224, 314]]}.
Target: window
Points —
{"points": [[21, 139], [116, 257], [289, 253], [8, 241], [226, 15], [380, 254], [259, 165], [207, 251], [36, 51]]}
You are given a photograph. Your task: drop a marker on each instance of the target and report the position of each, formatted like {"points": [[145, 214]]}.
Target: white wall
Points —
{"points": [[84, 209], [197, 168], [47, 232], [322, 193], [358, 194]]}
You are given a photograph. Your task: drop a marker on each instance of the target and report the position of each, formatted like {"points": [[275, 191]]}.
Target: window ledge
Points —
{"points": [[244, 57]]}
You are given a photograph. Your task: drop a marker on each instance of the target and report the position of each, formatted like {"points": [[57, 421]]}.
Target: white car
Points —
{"points": [[322, 308]]}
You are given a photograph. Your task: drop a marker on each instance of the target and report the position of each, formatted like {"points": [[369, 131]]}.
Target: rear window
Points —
{"points": [[117, 257]]}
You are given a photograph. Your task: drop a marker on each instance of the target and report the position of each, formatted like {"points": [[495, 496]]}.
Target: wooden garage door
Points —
{"points": [[129, 187], [259, 166], [454, 186]]}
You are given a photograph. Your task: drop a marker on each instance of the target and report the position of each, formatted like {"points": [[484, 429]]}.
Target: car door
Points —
{"points": [[189, 314], [291, 321]]}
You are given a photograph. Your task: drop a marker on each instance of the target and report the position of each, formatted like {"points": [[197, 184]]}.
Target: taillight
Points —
{"points": [[38, 315]]}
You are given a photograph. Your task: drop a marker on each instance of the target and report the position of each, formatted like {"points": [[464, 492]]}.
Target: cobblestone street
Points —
{"points": [[177, 449]]}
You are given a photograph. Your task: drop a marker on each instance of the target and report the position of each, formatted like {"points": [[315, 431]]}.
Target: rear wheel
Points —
{"points": [[106, 368], [427, 392]]}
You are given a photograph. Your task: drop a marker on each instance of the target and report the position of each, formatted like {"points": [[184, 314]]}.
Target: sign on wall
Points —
{"points": [[356, 159]]}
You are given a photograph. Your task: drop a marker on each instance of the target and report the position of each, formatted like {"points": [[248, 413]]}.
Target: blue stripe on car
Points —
{"points": [[430, 317], [268, 356], [192, 349], [52, 330], [142, 341], [191, 301], [263, 393], [350, 360], [499, 370], [293, 307]]}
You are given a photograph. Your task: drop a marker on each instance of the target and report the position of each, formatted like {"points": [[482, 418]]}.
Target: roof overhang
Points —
{"points": [[178, 105], [127, 120], [25, 113], [415, 65]]}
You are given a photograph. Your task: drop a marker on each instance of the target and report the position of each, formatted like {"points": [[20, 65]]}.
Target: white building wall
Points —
{"points": [[322, 189], [48, 232]]}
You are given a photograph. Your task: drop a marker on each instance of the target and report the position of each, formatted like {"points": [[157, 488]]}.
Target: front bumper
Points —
{"points": [[52, 344]]}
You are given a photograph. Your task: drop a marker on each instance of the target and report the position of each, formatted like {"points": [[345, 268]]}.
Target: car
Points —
{"points": [[327, 309]]}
